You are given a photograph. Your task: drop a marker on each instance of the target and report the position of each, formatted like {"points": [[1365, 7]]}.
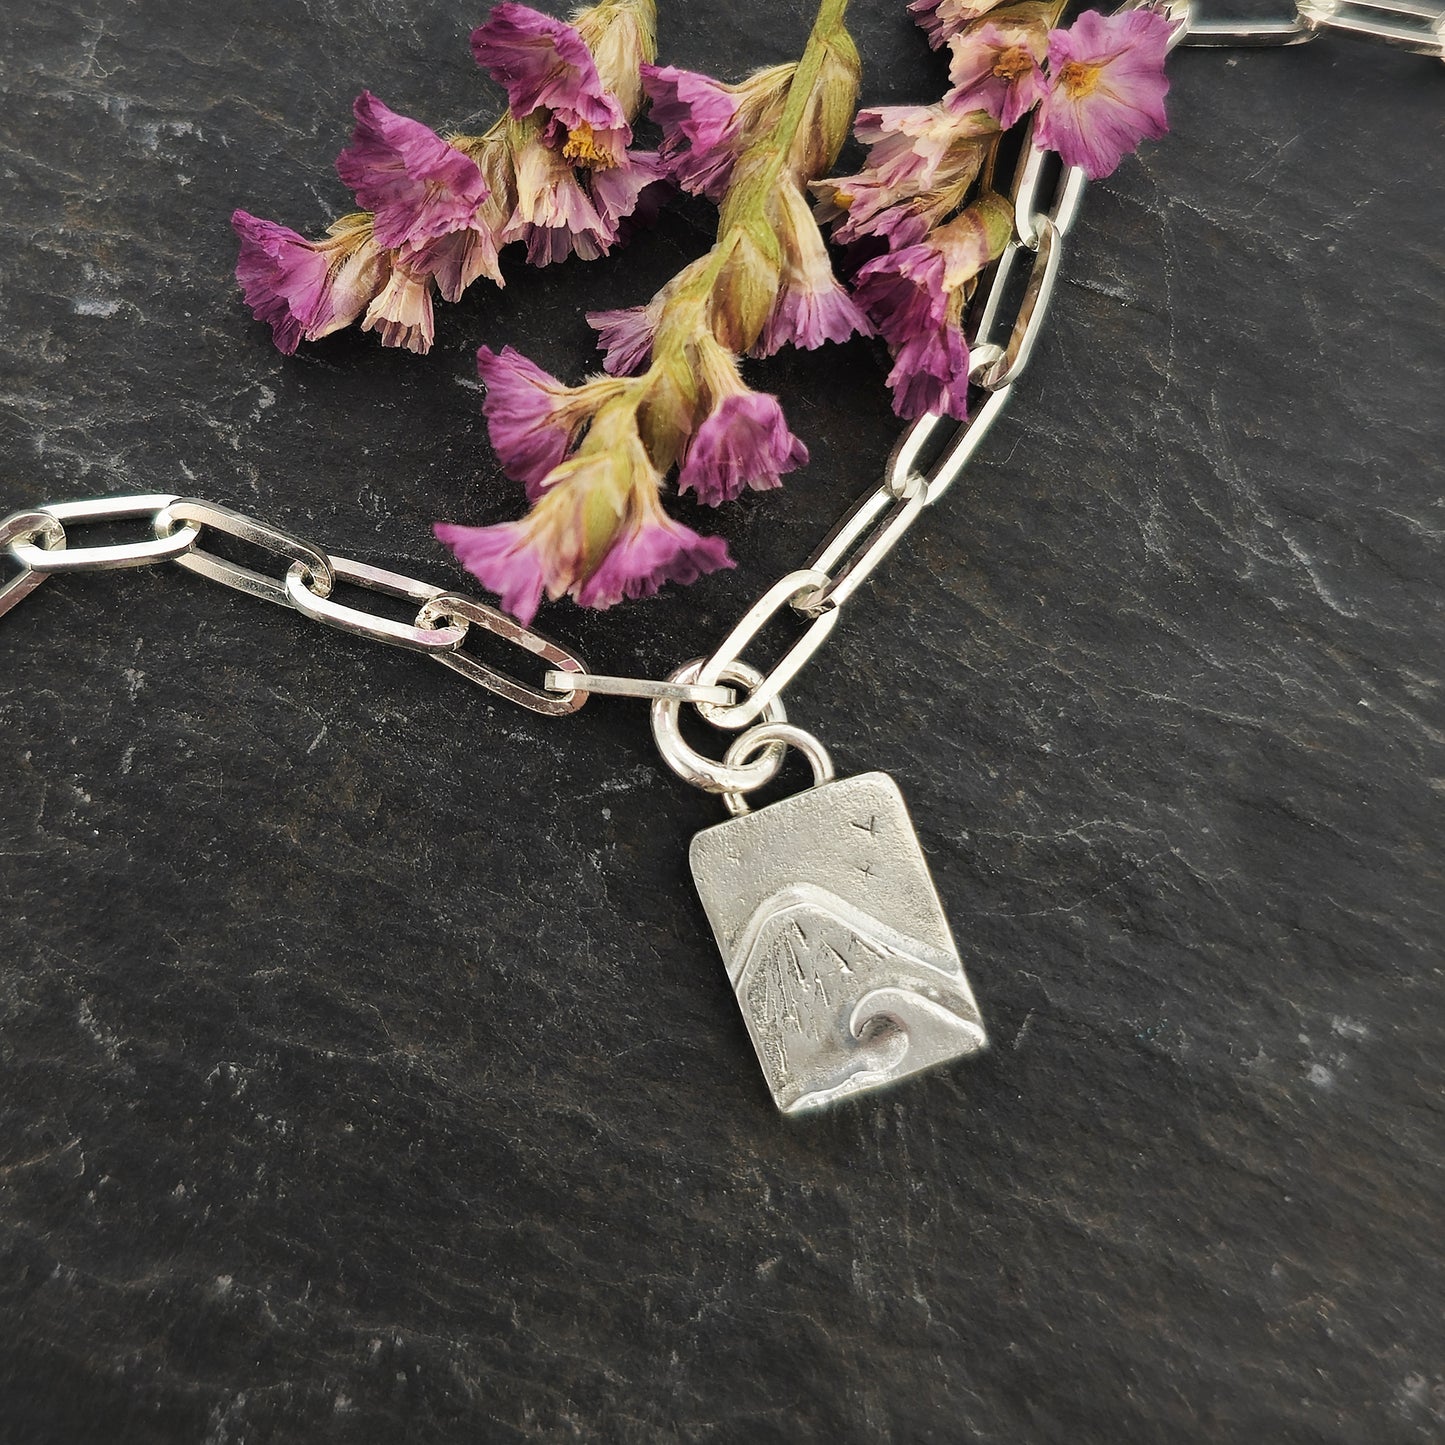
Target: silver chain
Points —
{"points": [[39, 541], [726, 689]]}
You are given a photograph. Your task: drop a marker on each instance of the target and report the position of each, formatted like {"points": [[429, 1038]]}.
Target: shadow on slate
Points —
{"points": [[367, 1072]]}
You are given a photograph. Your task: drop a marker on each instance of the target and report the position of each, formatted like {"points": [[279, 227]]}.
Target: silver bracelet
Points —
{"points": [[822, 904]]}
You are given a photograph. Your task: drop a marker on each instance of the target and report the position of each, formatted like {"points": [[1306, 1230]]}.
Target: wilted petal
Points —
{"points": [[542, 62], [457, 259], [744, 443], [554, 214], [506, 559], [651, 549], [306, 289], [697, 116], [417, 185], [943, 19], [996, 68], [533, 418], [618, 193], [1106, 89], [811, 307], [930, 374], [903, 292], [626, 336], [402, 313]]}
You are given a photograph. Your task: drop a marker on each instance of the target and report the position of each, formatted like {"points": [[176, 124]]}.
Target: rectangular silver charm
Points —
{"points": [[836, 942]]}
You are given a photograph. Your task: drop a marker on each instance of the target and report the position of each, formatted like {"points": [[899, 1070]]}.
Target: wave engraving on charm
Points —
{"points": [[836, 942]]}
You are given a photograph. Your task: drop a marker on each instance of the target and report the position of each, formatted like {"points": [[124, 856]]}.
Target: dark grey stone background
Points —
{"points": [[366, 1071]]}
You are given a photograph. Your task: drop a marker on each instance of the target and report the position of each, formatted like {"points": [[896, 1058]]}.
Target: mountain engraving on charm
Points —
{"points": [[835, 941]]}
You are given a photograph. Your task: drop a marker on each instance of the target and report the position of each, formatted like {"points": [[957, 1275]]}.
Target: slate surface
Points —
{"points": [[366, 1071]]}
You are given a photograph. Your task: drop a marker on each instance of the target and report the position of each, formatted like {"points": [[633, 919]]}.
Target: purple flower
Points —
{"points": [[532, 417], [457, 259], [922, 160], [996, 68], [903, 291], [943, 19], [1106, 89], [542, 62], [811, 306], [930, 374], [555, 215], [596, 531], [707, 125], [626, 336], [744, 443], [417, 185], [506, 559], [651, 549], [915, 297], [698, 116], [306, 289], [618, 193]]}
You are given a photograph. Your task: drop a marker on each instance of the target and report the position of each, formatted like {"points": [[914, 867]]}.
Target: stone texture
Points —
{"points": [[366, 1070]]}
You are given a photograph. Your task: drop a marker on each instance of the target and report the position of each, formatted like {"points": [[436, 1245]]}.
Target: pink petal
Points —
{"points": [[744, 443], [698, 120], [648, 553], [809, 318], [903, 292], [529, 427], [930, 374], [282, 277], [457, 259], [618, 192], [555, 214], [417, 185], [976, 54], [1097, 129], [626, 336], [540, 62], [943, 19], [504, 559], [304, 289]]}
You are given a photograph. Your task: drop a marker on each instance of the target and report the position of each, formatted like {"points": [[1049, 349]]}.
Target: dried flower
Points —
{"points": [[916, 297], [597, 531], [1101, 93], [943, 19], [555, 172], [1106, 88], [922, 163], [307, 289], [593, 457], [996, 69], [416, 185]]}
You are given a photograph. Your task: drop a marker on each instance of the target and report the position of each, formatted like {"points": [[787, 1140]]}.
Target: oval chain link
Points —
{"points": [[113, 556]]}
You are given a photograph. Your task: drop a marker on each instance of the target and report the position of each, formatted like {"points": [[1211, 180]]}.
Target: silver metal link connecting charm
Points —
{"points": [[114, 556], [193, 511], [712, 776]]}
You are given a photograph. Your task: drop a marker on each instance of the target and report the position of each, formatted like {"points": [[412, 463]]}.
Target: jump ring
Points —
{"points": [[769, 734], [708, 773]]}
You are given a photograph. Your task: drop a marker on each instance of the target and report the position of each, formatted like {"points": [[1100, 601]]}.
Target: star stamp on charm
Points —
{"points": [[836, 942]]}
